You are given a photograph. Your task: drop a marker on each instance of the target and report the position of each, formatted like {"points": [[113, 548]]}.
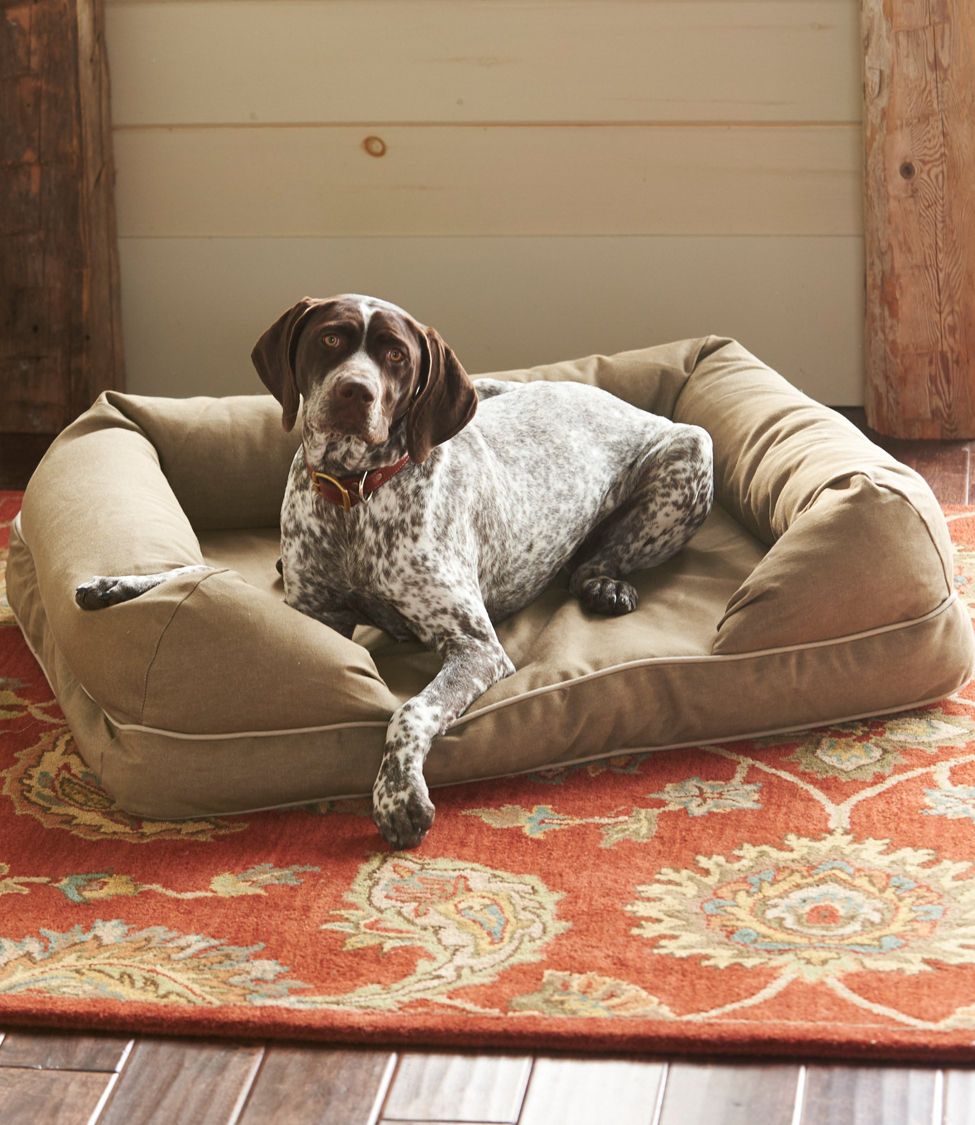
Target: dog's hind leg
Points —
{"points": [[488, 388], [100, 592], [669, 497]]}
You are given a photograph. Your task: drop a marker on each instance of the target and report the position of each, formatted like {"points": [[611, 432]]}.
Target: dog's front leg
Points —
{"points": [[402, 808]]}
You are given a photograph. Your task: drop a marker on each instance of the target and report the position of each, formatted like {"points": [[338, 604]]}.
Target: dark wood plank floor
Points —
{"points": [[80, 1079]]}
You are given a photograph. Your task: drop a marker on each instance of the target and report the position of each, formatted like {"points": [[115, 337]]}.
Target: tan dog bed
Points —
{"points": [[819, 590]]}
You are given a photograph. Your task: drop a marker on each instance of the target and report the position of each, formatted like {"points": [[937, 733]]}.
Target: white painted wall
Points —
{"points": [[560, 177]]}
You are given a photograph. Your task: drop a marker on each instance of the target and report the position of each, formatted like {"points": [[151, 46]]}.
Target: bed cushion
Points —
{"points": [[819, 590]]}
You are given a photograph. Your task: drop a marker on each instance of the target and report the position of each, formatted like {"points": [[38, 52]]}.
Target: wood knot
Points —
{"points": [[375, 146], [907, 170]]}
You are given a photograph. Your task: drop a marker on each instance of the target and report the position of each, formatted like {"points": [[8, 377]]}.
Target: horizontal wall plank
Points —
{"points": [[223, 61], [193, 308], [496, 180]]}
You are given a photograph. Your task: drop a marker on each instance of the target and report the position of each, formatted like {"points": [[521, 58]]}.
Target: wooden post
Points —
{"points": [[919, 217], [60, 329]]}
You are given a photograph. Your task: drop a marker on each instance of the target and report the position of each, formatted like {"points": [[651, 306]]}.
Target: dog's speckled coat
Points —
{"points": [[487, 510]]}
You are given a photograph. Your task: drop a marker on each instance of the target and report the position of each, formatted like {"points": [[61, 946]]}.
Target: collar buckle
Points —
{"points": [[346, 498]]}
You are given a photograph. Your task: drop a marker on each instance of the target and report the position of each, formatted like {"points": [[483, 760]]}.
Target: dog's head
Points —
{"points": [[366, 370]]}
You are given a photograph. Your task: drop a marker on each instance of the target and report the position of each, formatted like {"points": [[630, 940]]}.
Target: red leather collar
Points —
{"points": [[346, 492]]}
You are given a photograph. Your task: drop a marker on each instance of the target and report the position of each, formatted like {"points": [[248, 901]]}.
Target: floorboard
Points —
{"points": [[959, 1098], [570, 1091], [51, 1097], [302, 1085], [723, 1093], [865, 1095], [165, 1081], [64, 1050], [434, 1086]]}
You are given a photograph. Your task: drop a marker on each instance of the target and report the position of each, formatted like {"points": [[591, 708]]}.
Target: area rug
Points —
{"points": [[812, 894]]}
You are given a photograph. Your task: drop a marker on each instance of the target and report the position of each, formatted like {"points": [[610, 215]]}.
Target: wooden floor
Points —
{"points": [[53, 1077]]}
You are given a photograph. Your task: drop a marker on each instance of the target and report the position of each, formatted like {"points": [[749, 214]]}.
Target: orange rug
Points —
{"points": [[813, 894]]}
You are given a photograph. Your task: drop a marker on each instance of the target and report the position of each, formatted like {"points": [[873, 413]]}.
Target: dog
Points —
{"points": [[432, 505]]}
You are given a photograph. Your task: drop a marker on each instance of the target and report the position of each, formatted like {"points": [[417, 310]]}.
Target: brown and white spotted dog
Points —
{"points": [[408, 511]]}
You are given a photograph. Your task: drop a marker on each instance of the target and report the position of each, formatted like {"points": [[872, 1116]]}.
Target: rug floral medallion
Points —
{"points": [[813, 892]]}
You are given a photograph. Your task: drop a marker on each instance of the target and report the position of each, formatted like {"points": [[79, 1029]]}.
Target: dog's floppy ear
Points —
{"points": [[445, 398], [274, 358]]}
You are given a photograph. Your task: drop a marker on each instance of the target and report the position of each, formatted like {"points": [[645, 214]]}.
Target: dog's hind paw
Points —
{"points": [[610, 596], [99, 592]]}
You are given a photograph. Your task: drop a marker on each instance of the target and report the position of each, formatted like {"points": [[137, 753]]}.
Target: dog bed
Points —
{"points": [[819, 590]]}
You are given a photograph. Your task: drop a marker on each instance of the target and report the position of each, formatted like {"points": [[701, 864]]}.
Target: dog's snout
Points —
{"points": [[355, 391], [351, 406]]}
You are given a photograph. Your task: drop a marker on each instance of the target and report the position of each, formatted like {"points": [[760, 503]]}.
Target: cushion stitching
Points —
{"points": [[644, 749], [949, 580], [566, 684], [165, 629], [952, 599]]}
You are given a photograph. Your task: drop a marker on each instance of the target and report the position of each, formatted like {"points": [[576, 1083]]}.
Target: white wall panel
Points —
{"points": [[498, 180], [193, 308], [194, 61], [560, 176]]}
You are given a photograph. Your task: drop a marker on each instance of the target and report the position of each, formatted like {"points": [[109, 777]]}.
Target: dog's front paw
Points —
{"points": [[401, 806]]}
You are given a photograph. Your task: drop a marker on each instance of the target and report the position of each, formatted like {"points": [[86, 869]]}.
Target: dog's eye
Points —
{"points": [[330, 340], [396, 355]]}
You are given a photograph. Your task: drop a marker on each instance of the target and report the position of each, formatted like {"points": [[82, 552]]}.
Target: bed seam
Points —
{"points": [[703, 744], [944, 606], [869, 475], [470, 716], [703, 341], [159, 641]]}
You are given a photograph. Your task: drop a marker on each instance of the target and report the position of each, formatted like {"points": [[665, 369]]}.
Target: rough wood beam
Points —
{"points": [[60, 328], [919, 220]]}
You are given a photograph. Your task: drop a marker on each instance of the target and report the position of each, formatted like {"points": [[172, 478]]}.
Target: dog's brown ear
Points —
{"points": [[445, 399], [274, 358]]}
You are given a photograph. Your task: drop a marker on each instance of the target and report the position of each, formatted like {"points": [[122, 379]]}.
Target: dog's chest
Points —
{"points": [[369, 555]]}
